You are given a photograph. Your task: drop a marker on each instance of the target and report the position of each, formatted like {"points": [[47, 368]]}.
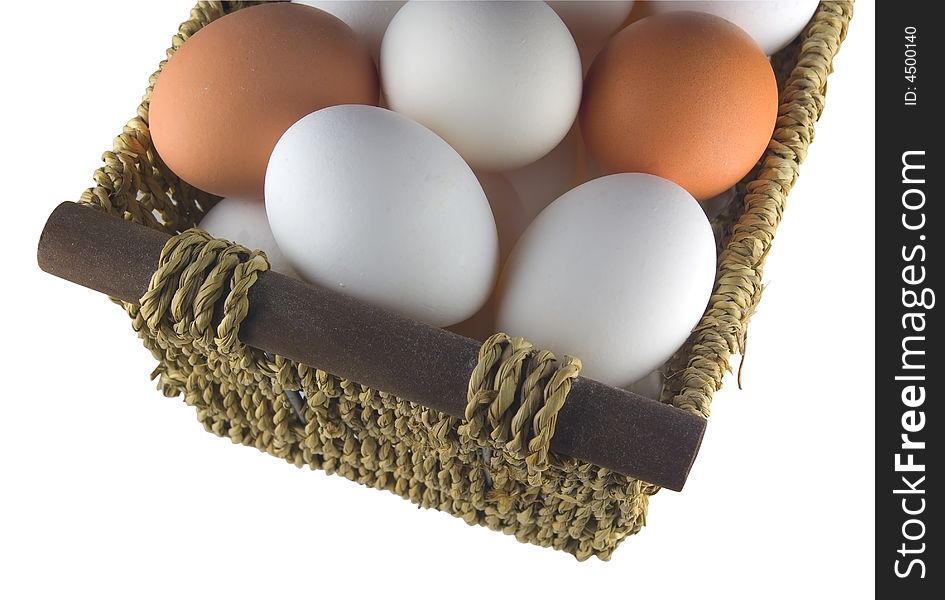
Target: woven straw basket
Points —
{"points": [[480, 468]]}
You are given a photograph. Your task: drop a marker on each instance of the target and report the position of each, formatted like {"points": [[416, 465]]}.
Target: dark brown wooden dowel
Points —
{"points": [[600, 424]]}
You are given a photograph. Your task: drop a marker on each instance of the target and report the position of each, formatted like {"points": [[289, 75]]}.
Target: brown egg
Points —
{"points": [[686, 96], [226, 96]]}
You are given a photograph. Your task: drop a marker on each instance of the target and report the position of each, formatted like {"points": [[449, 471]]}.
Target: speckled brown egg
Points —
{"points": [[686, 96], [230, 91]]}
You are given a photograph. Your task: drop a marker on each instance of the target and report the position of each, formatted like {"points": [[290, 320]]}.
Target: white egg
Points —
{"points": [[500, 81], [367, 202], [368, 18], [772, 23], [541, 182], [245, 222], [592, 22], [616, 272]]}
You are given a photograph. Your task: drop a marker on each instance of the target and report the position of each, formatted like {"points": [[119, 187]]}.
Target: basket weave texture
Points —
{"points": [[492, 468]]}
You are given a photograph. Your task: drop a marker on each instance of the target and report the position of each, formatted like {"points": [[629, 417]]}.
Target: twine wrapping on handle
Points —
{"points": [[515, 394], [195, 271]]}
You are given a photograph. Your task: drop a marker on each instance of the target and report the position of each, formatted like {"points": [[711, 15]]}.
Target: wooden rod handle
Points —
{"points": [[312, 325]]}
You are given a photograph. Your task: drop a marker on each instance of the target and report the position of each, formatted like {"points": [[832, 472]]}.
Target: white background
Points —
{"points": [[108, 488]]}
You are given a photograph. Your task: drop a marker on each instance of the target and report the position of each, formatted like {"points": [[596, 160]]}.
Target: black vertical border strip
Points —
{"points": [[909, 271]]}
